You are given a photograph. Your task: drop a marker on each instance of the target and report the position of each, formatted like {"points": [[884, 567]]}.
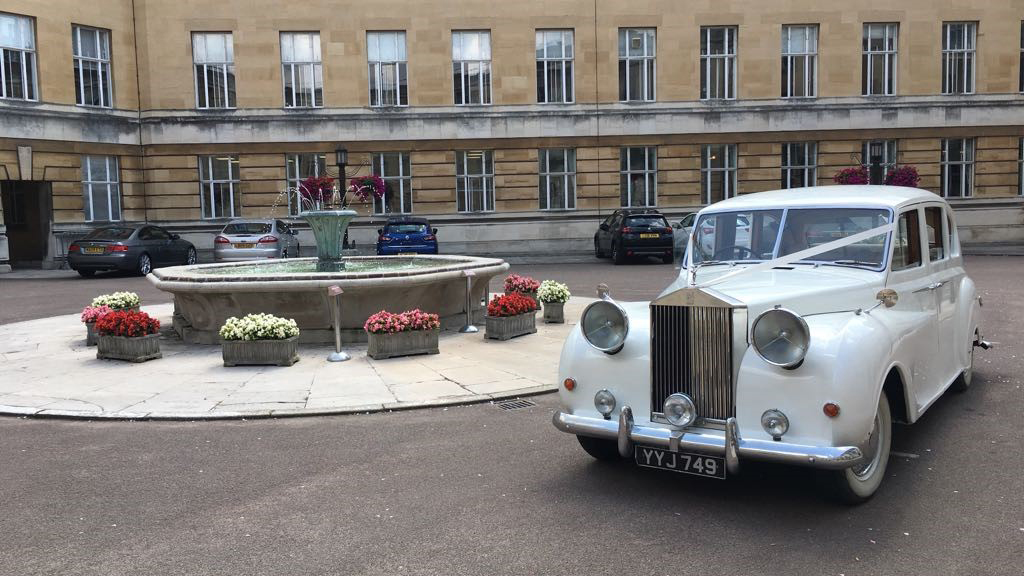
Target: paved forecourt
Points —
{"points": [[49, 371]]}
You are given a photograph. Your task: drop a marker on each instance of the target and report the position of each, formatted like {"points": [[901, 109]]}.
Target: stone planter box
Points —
{"points": [[505, 327], [137, 349], [90, 333], [402, 344], [260, 352], [554, 312]]}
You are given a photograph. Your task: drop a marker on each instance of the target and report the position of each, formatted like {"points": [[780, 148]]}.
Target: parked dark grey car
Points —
{"points": [[131, 248]]}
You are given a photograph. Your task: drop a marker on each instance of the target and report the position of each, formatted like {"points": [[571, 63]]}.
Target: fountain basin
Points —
{"points": [[205, 295]]}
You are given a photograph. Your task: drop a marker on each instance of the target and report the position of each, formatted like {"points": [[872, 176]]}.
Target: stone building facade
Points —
{"points": [[515, 127]]}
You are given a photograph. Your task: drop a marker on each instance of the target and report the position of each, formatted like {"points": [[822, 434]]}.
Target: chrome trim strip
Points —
{"points": [[712, 442]]}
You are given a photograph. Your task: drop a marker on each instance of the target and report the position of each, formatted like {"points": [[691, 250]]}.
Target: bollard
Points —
{"points": [[469, 328], [338, 355]]}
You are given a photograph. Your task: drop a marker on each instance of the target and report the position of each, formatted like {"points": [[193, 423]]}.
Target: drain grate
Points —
{"points": [[517, 404]]}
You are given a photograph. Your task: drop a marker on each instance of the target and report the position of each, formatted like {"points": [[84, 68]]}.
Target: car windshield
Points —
{"points": [[247, 228], [111, 233], [757, 235], [407, 228], [646, 221]]}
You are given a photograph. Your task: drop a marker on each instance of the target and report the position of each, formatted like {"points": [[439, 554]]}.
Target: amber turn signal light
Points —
{"points": [[569, 384], [831, 410]]}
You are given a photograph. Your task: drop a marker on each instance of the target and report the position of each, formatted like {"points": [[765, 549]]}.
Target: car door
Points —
{"points": [[914, 317], [603, 232], [947, 275], [149, 244], [609, 235], [164, 253]]}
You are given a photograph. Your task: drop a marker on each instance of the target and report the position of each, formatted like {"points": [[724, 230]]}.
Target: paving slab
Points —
{"points": [[50, 372]]}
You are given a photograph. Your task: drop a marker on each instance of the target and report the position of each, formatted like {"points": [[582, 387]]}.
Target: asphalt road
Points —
{"points": [[479, 490]]}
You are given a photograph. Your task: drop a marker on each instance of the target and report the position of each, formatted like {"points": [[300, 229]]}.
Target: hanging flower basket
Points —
{"points": [[510, 315], [259, 340], [409, 333]]}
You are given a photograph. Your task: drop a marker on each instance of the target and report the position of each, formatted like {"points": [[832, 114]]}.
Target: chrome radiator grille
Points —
{"points": [[691, 352]]}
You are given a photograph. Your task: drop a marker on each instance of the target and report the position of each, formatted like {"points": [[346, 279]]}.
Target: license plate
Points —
{"points": [[648, 235], [93, 250], [245, 245], [696, 464]]}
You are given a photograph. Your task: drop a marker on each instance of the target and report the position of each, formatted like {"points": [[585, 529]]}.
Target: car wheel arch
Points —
{"points": [[896, 391]]}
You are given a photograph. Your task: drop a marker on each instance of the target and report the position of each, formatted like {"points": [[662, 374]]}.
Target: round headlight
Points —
{"points": [[780, 337], [679, 410], [605, 326], [604, 401], [775, 423]]}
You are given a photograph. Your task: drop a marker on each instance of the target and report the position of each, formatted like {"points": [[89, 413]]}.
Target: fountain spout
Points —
{"points": [[329, 228]]}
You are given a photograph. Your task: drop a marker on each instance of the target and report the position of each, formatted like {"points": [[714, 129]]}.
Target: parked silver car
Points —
{"points": [[255, 239]]}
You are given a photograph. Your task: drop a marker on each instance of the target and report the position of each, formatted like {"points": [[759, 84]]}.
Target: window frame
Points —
{"points": [[648, 65], [226, 72], [568, 66], [913, 232], [30, 82], [375, 86], [234, 186], [463, 178], [890, 158], [968, 147], [649, 170], [104, 64], [464, 65], [403, 179], [947, 242], [289, 68], [730, 171], [890, 59], [969, 54], [707, 59], [810, 58], [112, 185], [545, 177], [293, 177], [809, 168]]}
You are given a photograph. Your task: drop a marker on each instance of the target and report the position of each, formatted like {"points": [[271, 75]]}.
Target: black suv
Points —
{"points": [[634, 232]]}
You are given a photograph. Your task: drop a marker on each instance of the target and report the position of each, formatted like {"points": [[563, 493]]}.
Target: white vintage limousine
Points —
{"points": [[802, 324]]}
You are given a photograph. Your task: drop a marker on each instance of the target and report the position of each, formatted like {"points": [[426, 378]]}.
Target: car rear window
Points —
{"points": [[247, 228], [407, 228], [112, 233], [648, 221]]}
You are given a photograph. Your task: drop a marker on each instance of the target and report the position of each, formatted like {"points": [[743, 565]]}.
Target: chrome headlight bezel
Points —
{"points": [[802, 335], [689, 410], [611, 346]]}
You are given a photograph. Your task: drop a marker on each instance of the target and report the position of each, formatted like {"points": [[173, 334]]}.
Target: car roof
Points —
{"points": [[409, 219], [252, 221], [639, 211], [894, 197]]}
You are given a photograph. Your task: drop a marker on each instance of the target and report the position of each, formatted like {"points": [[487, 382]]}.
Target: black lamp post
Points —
{"points": [[875, 175], [341, 159]]}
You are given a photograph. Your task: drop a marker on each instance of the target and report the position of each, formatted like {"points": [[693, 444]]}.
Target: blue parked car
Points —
{"points": [[406, 235]]}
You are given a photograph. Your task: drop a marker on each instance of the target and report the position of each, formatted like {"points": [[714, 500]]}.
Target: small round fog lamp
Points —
{"points": [[604, 401], [775, 423], [680, 410]]}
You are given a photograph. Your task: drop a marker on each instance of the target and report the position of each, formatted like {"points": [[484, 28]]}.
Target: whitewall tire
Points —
{"points": [[859, 483]]}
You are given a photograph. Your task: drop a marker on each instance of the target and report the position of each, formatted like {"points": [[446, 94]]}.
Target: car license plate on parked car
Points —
{"points": [[93, 250], [245, 245], [648, 235], [696, 464]]}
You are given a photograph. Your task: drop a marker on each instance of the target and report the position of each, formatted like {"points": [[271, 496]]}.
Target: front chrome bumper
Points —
{"points": [[727, 443]]}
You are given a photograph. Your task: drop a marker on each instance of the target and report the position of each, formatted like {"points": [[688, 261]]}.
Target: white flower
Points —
{"points": [[259, 327]]}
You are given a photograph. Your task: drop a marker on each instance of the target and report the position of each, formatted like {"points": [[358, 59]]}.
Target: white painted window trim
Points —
{"points": [[289, 70], [294, 177], [707, 59], [567, 176], [106, 85], [809, 167], [376, 89], [568, 80], [207, 192], [730, 170], [220, 67], [108, 189], [485, 88], [809, 56], [486, 177], [959, 80], [966, 161], [403, 182], [28, 71], [890, 57], [650, 158]]}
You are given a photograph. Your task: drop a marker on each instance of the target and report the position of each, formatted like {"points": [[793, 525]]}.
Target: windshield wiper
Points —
{"points": [[852, 263]]}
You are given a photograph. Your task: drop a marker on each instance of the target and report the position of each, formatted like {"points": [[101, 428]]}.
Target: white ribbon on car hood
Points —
{"points": [[790, 258]]}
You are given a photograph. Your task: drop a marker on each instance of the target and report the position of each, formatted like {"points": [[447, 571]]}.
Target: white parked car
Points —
{"points": [[814, 319]]}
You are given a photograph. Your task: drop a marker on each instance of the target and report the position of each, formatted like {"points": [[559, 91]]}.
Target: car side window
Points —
{"points": [[159, 234], [907, 242], [938, 234], [282, 228], [146, 233]]}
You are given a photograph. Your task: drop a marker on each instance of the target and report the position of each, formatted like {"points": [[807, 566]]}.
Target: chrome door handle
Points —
{"points": [[930, 287]]}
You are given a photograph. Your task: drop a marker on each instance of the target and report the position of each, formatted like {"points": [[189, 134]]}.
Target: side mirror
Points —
{"points": [[604, 227], [888, 297], [380, 231], [433, 230], [175, 236]]}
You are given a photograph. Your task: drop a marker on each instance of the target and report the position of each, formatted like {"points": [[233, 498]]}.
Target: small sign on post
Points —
{"points": [[469, 328], [335, 292]]}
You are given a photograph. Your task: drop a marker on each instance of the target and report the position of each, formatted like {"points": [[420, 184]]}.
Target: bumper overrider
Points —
{"points": [[723, 443]]}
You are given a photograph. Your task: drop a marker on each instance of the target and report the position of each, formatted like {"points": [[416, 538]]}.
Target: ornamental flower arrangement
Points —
{"points": [[118, 300], [510, 315], [903, 176], [404, 334], [521, 284], [128, 335], [259, 327], [554, 295], [259, 339], [90, 314], [855, 175], [323, 193]]}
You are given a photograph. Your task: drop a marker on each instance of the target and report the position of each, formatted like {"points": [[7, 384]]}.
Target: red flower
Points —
{"points": [[511, 304], [127, 323], [856, 175]]}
